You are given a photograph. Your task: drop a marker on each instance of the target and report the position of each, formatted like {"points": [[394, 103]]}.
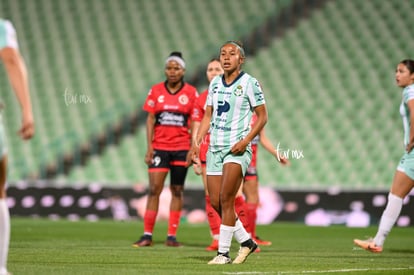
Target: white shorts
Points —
{"points": [[216, 160]]}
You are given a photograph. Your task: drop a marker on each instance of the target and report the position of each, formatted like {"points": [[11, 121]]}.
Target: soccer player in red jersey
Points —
{"points": [[213, 69], [169, 105], [251, 181]]}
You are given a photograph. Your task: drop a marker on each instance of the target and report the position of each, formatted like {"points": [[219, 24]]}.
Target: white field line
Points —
{"points": [[347, 270]]}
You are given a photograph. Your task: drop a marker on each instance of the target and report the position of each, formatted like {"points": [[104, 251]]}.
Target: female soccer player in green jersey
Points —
{"points": [[404, 176], [232, 99], [16, 71]]}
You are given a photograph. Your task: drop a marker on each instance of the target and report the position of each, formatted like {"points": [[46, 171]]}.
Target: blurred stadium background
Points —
{"points": [[326, 66]]}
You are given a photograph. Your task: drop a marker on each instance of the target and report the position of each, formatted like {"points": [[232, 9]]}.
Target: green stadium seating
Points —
{"points": [[337, 95], [328, 82], [111, 52]]}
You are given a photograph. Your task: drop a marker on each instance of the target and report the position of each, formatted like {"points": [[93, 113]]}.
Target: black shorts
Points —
{"points": [[173, 161]]}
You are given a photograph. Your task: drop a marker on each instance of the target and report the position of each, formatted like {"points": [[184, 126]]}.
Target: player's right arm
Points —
{"points": [[17, 73], [150, 125]]}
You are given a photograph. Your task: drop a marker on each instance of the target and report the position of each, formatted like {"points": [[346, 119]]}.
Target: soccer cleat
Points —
{"points": [[172, 241], [220, 259], [145, 240], [262, 242], [368, 245], [213, 246], [244, 252]]}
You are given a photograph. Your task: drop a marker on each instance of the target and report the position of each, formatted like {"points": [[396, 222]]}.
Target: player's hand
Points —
{"points": [[409, 147], [239, 148], [27, 130], [194, 153], [282, 159], [189, 158], [198, 170], [149, 156]]}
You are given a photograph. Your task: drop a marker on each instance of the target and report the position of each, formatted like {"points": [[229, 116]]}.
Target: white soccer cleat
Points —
{"points": [[220, 259], [244, 252]]}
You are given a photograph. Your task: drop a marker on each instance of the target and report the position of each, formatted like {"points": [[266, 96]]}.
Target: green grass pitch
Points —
{"points": [[40, 246]]}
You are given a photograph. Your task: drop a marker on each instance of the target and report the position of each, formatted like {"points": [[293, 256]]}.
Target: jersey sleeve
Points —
{"points": [[149, 105], [211, 88], [199, 107], [409, 93], [255, 93], [8, 37], [194, 100]]}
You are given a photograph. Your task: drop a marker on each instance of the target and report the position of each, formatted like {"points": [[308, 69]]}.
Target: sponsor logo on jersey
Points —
{"points": [[161, 99], [223, 107], [171, 107], [171, 119], [183, 99], [215, 88]]}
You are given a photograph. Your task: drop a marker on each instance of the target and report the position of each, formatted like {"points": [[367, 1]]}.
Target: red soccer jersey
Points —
{"points": [[199, 110], [200, 107], [172, 116]]}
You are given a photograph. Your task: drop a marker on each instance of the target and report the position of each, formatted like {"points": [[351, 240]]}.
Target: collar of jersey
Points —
{"points": [[237, 78], [168, 90]]}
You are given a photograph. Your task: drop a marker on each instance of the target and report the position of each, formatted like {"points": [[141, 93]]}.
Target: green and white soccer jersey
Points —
{"points": [[7, 39], [406, 163], [232, 109], [8, 36], [408, 94]]}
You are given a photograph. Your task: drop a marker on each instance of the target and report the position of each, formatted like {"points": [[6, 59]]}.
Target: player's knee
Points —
{"points": [[177, 190], [154, 191], [226, 201]]}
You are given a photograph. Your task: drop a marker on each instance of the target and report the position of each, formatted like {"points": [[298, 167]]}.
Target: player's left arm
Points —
{"points": [[410, 144]]}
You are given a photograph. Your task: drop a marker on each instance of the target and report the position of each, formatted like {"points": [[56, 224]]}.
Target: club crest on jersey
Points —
{"points": [[238, 91], [151, 103], [183, 99], [160, 99]]}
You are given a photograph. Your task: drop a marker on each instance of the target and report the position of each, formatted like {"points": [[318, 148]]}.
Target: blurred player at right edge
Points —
{"points": [[251, 181], [403, 181], [16, 71], [213, 69]]}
